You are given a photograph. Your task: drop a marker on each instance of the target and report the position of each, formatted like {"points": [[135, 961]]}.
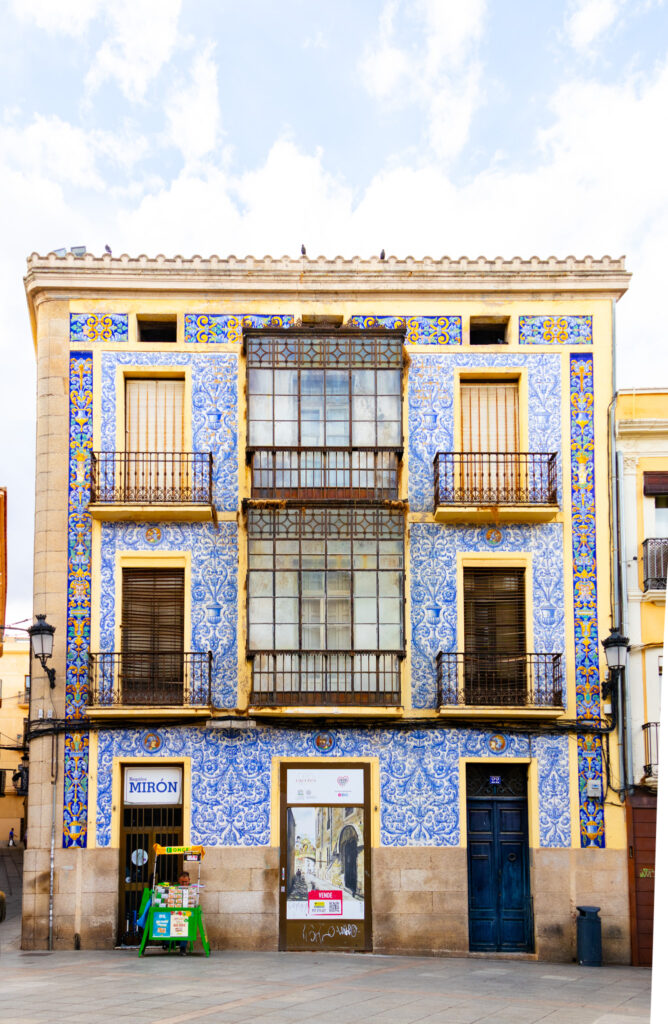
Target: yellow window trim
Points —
{"points": [[154, 560], [491, 560], [183, 373], [519, 374]]}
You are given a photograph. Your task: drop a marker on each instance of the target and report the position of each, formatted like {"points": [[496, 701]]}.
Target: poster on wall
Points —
{"points": [[325, 893]]}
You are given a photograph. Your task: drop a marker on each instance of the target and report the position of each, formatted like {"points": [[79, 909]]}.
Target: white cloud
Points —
{"points": [[316, 42], [589, 19], [440, 71], [68, 17], [143, 35], [193, 111]]}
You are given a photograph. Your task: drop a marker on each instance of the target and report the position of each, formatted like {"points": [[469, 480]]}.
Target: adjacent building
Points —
{"points": [[325, 544], [641, 434], [14, 704]]}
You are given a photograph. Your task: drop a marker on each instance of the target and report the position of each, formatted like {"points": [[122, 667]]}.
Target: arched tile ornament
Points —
{"points": [[75, 800], [555, 330], [587, 681], [223, 328]]}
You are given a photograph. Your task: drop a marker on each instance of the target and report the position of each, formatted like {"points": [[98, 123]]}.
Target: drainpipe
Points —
{"points": [[54, 777], [624, 678], [617, 567]]}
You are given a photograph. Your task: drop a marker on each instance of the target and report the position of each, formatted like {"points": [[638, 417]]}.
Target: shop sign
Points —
{"points": [[152, 786], [325, 786]]}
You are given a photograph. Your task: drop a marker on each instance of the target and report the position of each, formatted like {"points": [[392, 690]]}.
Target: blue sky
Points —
{"points": [[456, 127]]}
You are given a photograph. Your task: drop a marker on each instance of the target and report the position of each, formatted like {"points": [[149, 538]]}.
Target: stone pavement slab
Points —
{"points": [[307, 988]]}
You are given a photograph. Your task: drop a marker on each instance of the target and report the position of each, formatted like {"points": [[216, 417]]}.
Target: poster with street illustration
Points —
{"points": [[325, 863]]}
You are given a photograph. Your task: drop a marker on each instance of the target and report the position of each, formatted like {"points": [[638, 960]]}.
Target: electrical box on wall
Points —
{"points": [[595, 789]]}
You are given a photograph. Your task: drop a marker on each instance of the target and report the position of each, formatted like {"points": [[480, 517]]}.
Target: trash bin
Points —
{"points": [[589, 937]]}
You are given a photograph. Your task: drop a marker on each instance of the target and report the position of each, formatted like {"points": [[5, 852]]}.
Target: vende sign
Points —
{"points": [[152, 786]]}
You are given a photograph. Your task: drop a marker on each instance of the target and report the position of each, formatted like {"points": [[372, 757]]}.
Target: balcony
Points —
{"points": [[151, 485], [495, 487], [320, 679], [504, 685], [655, 567], [650, 734], [174, 682], [325, 474]]}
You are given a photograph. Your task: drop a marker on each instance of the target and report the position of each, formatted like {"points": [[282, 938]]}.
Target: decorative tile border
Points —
{"points": [[433, 587], [420, 330], [555, 330], [419, 778], [214, 589], [431, 410], [78, 596], [210, 328], [585, 603], [214, 410], [87, 327]]}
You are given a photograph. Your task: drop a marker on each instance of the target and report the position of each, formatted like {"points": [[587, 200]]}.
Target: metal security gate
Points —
{"points": [[500, 910], [141, 828]]}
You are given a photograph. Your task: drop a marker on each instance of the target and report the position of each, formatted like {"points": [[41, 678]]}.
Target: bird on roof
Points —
{"points": [[382, 254], [107, 249], [303, 249]]}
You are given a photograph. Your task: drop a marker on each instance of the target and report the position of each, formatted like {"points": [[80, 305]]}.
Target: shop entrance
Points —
{"points": [[148, 817], [500, 911], [325, 876]]}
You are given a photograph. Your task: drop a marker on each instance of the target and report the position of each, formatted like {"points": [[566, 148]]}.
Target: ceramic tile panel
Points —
{"points": [[214, 410], [214, 589], [419, 777], [87, 327], [433, 588], [556, 330], [78, 595], [219, 328], [420, 330], [583, 500], [431, 385]]}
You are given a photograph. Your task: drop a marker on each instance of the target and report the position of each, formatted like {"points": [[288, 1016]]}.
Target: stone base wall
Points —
{"points": [[419, 899]]}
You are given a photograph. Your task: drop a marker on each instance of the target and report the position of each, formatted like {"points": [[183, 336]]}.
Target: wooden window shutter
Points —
{"points": [[153, 616], [494, 611], [655, 483]]}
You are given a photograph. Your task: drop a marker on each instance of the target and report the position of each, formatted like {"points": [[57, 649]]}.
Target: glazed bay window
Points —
{"points": [[325, 605], [324, 414]]}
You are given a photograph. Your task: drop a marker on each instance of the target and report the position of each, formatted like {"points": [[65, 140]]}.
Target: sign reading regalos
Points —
{"points": [[151, 786]]}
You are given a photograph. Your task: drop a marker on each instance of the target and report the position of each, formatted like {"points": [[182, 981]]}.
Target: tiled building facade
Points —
{"points": [[361, 570]]}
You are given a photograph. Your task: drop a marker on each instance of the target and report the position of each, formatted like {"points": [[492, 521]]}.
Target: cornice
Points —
{"points": [[78, 277], [642, 428]]}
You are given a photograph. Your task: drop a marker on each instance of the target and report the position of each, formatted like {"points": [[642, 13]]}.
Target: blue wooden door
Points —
{"points": [[500, 917]]}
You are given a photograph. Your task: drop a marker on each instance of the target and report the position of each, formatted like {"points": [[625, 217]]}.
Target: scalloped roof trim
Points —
{"points": [[462, 263]]}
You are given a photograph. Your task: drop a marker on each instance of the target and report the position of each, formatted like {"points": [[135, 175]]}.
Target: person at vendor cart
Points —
{"points": [[184, 882]]}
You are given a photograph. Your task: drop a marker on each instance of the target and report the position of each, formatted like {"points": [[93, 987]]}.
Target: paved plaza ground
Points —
{"points": [[304, 988], [335, 988]]}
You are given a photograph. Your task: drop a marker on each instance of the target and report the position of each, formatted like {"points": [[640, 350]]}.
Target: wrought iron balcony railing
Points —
{"points": [[320, 678], [331, 474], [150, 679], [147, 478], [655, 563], [503, 680], [650, 732], [495, 478]]}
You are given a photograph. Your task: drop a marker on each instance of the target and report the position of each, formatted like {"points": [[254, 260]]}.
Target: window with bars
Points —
{"points": [[495, 658], [152, 630], [325, 580], [324, 414]]}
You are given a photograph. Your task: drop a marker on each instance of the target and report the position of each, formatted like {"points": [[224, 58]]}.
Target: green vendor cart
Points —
{"points": [[171, 914]]}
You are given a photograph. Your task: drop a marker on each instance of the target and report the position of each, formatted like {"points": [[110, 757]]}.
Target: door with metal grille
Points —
{"points": [[141, 828]]}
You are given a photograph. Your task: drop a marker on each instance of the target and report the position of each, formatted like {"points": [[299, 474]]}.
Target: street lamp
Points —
{"points": [[41, 638], [616, 648]]}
